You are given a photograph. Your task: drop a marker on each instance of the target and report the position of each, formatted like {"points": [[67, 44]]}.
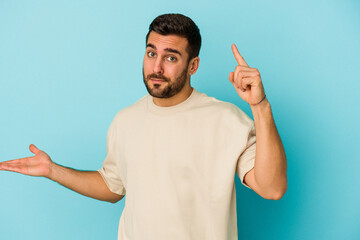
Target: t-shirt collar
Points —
{"points": [[176, 108]]}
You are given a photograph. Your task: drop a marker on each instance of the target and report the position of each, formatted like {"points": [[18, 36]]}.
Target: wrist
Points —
{"points": [[52, 171], [259, 101], [264, 105], [262, 112]]}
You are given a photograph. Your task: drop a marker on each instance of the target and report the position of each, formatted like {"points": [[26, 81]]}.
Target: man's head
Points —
{"points": [[180, 25], [172, 48]]}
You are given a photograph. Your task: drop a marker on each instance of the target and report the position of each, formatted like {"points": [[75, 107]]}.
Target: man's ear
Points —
{"points": [[194, 65]]}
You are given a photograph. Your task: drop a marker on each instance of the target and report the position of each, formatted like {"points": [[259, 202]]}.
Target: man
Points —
{"points": [[174, 153]]}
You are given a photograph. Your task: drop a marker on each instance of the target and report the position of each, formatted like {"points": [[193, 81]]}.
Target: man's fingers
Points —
{"points": [[238, 77], [249, 82], [243, 73], [240, 60], [235, 83], [15, 161], [16, 165], [14, 168]]}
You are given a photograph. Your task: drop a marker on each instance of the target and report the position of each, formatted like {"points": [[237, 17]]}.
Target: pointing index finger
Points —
{"points": [[240, 60]]}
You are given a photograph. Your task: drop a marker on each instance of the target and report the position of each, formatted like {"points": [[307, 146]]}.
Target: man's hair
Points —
{"points": [[178, 24]]}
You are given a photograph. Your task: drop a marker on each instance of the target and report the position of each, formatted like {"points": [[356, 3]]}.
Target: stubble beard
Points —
{"points": [[172, 87]]}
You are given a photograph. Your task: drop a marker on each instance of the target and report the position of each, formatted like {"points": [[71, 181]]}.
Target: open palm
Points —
{"points": [[38, 165]]}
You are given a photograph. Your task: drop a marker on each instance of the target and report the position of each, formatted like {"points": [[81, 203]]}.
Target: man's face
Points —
{"points": [[165, 66]]}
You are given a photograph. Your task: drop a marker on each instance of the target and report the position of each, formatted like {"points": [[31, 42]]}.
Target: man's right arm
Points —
{"points": [[87, 183]]}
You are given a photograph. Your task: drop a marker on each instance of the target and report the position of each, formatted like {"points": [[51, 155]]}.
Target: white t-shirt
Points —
{"points": [[177, 166]]}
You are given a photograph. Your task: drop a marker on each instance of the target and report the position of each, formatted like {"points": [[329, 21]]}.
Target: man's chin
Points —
{"points": [[156, 90], [157, 94]]}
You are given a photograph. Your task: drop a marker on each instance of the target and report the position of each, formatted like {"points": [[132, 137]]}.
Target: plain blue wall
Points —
{"points": [[67, 67]]}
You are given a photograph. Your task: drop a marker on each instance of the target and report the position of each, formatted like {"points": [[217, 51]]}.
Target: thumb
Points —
{"points": [[231, 77], [34, 149]]}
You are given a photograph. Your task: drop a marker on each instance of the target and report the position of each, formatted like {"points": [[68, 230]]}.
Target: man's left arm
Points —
{"points": [[268, 177]]}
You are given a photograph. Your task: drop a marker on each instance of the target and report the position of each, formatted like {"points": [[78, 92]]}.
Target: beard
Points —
{"points": [[172, 87]]}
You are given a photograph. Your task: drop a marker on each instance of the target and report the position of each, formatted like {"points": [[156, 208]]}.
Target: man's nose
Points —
{"points": [[158, 67]]}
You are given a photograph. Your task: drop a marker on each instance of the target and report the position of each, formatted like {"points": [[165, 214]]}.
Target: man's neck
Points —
{"points": [[174, 100]]}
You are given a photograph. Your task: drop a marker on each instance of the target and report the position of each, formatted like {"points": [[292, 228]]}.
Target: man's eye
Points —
{"points": [[151, 54], [171, 59]]}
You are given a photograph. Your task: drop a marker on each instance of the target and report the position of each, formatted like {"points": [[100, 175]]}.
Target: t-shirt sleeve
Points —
{"points": [[246, 160], [110, 171]]}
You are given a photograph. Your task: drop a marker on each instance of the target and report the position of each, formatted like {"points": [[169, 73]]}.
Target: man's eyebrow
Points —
{"points": [[166, 49], [151, 45], [172, 50]]}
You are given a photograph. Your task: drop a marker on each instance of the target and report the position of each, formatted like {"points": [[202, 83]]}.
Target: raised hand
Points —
{"points": [[246, 80], [38, 165]]}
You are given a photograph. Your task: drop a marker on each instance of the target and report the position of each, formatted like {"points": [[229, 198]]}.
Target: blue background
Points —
{"points": [[67, 67]]}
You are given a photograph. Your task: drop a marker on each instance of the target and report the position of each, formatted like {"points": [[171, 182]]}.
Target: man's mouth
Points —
{"points": [[157, 80]]}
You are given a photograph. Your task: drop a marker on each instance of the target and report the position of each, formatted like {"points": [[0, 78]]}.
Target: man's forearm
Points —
{"points": [[270, 163], [87, 183]]}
